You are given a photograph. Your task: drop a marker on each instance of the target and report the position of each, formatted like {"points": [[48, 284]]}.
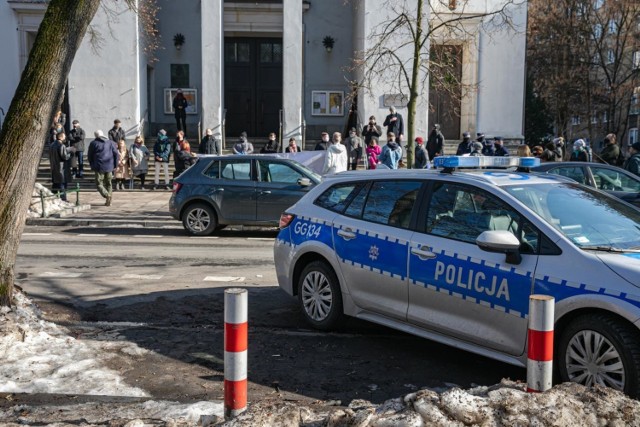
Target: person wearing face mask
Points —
{"points": [[487, 145], [580, 153], [465, 146], [354, 149], [210, 144], [499, 150], [324, 142], [271, 146], [435, 142], [370, 130], [611, 152], [336, 157]]}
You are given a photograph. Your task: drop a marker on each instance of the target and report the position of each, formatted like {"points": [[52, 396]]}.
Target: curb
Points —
{"points": [[87, 222]]}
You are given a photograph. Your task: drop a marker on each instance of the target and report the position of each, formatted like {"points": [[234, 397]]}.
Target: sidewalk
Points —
{"points": [[129, 208]]}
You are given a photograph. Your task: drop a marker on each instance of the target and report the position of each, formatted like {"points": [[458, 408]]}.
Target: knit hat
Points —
{"points": [[579, 144], [162, 132], [476, 145], [636, 146], [75, 122], [419, 140]]}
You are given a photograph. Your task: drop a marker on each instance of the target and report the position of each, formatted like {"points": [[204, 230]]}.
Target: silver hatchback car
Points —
{"points": [[454, 256]]}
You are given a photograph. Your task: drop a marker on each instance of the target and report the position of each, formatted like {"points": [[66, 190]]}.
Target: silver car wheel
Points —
{"points": [[198, 220], [592, 359], [316, 296]]}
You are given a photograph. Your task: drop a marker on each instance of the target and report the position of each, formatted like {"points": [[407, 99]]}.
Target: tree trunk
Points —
{"points": [[29, 117], [414, 89]]}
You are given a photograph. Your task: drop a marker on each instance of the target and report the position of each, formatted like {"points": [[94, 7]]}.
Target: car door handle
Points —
{"points": [[218, 190], [265, 192], [422, 254], [347, 234]]}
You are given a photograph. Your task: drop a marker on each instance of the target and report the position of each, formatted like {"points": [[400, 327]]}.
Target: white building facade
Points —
{"points": [[271, 66]]}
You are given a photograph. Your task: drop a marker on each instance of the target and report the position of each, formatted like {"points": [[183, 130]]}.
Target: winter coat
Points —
{"points": [[354, 148], [335, 159], [180, 106], [488, 150], [464, 147], [139, 156], [579, 156], [500, 151], [610, 154], [116, 134], [210, 145], [76, 138], [435, 143], [391, 155], [295, 149], [122, 170], [422, 157], [184, 160], [369, 133], [633, 164], [103, 155], [372, 153], [321, 146], [397, 127], [268, 148], [162, 149], [59, 159]]}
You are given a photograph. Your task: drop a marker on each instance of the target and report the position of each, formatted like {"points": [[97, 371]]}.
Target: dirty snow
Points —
{"points": [[51, 206], [42, 357]]}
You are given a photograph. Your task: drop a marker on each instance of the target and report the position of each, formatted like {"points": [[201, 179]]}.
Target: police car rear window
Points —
{"points": [[338, 197]]}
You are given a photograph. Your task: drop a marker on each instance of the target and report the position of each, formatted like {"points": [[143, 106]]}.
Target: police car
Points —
{"points": [[452, 255]]}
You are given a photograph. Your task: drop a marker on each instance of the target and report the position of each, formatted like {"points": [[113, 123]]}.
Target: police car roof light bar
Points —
{"points": [[452, 162]]}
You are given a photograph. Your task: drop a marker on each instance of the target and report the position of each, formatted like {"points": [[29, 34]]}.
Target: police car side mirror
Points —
{"points": [[304, 182], [501, 241]]}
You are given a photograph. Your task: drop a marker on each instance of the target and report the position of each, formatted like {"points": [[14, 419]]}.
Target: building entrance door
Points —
{"points": [[252, 85], [445, 89]]}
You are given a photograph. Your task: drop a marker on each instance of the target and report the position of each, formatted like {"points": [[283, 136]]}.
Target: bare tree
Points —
{"points": [[401, 56], [32, 109]]}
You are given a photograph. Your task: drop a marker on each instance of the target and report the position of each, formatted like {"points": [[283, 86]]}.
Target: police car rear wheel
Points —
{"points": [[600, 349], [199, 220], [319, 295]]}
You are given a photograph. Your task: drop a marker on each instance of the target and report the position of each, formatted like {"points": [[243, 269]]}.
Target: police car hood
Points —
{"points": [[625, 265]]}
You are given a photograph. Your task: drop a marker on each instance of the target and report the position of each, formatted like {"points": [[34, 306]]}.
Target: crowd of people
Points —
{"points": [[117, 166]]}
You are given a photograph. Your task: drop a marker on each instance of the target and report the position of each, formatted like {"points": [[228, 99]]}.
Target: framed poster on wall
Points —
{"points": [[327, 103], [190, 94]]}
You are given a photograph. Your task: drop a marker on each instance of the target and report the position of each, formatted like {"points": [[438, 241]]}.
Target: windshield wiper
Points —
{"points": [[608, 249]]}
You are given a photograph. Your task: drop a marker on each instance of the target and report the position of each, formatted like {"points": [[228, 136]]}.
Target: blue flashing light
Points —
{"points": [[485, 162]]}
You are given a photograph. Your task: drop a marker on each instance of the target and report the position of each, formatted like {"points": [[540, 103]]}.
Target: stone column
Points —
{"points": [[212, 94], [292, 45]]}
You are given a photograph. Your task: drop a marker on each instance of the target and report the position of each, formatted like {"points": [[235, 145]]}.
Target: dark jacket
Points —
{"points": [[579, 156], [500, 151], [435, 143], [354, 148], [76, 138], [162, 149], [269, 147], [464, 147], [422, 157], [210, 145], [116, 134], [321, 146], [289, 150], [396, 127], [103, 155], [610, 154], [633, 164], [59, 159], [184, 160], [180, 106], [488, 150], [367, 133]]}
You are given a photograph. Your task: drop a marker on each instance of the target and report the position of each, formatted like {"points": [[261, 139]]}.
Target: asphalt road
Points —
{"points": [[164, 291]]}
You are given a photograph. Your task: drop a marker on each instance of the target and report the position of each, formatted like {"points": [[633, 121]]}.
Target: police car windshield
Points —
{"points": [[588, 218]]}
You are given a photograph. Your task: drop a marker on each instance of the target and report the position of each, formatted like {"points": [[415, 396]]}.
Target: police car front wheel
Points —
{"points": [[319, 296], [599, 349]]}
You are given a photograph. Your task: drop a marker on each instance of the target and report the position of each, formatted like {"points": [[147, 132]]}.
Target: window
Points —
{"points": [[594, 118], [270, 52], [609, 179], [236, 170], [633, 136], [278, 172], [357, 204], [574, 173], [463, 213], [612, 27], [576, 120], [605, 117], [635, 101], [597, 31], [338, 197], [237, 52], [597, 4], [391, 202], [636, 59], [611, 57], [214, 170]]}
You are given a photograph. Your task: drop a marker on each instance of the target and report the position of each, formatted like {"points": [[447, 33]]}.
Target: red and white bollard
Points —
{"points": [[235, 351], [540, 339]]}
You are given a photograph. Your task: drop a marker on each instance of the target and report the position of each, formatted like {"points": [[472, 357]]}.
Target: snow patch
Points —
{"points": [[51, 205]]}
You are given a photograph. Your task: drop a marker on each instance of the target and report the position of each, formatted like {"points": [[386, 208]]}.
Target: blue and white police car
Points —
{"points": [[453, 255]]}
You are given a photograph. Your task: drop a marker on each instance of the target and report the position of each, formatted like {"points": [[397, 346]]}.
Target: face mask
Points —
{"points": [[325, 139]]}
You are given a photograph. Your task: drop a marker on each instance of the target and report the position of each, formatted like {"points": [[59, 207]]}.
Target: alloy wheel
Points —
{"points": [[198, 220]]}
